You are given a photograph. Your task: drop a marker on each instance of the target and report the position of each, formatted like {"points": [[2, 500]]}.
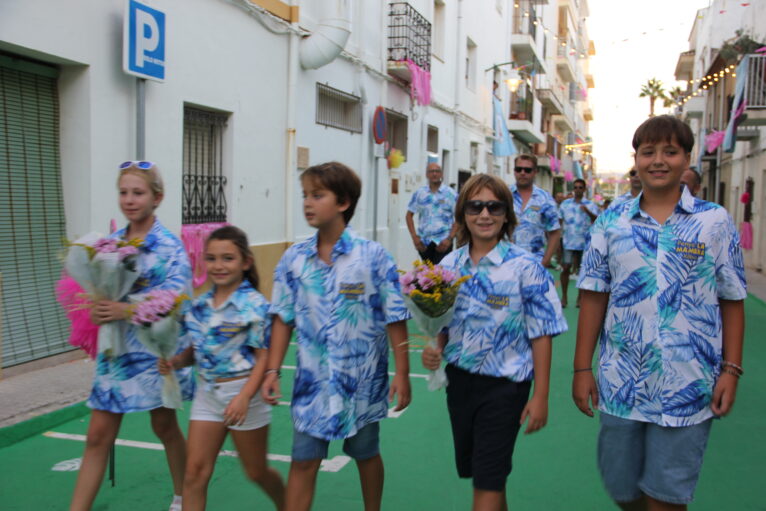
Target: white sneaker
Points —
{"points": [[176, 504]]}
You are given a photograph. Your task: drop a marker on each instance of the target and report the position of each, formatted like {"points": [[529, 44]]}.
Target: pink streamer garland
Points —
{"points": [[193, 237]]}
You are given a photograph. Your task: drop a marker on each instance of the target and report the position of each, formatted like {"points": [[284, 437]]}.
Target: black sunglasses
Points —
{"points": [[526, 170], [475, 207], [632, 173]]}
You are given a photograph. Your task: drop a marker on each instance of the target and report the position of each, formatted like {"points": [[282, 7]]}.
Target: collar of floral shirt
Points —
{"points": [[495, 257], [685, 204], [152, 237], [238, 299], [344, 245]]}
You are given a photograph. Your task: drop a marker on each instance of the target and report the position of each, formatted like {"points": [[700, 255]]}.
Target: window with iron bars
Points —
{"points": [[204, 185], [338, 109]]}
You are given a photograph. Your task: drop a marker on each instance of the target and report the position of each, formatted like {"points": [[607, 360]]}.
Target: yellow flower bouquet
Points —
{"points": [[430, 292]]}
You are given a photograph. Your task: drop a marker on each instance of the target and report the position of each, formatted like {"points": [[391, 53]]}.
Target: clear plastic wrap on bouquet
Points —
{"points": [[161, 339], [105, 275], [430, 327]]}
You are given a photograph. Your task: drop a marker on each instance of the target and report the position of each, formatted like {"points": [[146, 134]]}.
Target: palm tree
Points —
{"points": [[672, 97], [653, 90]]}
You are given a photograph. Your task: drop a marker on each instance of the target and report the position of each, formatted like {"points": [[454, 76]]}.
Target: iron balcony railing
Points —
{"points": [[755, 87], [524, 19], [409, 35]]}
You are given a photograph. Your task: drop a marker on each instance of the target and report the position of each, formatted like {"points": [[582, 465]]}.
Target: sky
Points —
{"points": [[635, 41]]}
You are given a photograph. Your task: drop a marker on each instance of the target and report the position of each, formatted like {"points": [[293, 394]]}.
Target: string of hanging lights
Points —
{"points": [[706, 81]]}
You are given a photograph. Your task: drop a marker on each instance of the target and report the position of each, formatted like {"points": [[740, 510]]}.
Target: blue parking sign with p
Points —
{"points": [[144, 42]]}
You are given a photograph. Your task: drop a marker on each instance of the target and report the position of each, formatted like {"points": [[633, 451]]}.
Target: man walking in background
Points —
{"points": [[576, 214], [434, 204], [538, 230]]}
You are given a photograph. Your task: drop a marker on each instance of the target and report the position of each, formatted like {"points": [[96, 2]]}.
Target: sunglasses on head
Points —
{"points": [[526, 170], [143, 165], [475, 207], [633, 173]]}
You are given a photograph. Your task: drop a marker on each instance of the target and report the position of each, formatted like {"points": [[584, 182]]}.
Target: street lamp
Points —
{"points": [[514, 77], [513, 81]]}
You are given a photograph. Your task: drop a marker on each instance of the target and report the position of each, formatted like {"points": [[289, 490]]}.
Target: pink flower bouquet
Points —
{"points": [[156, 316], [106, 270], [430, 292]]}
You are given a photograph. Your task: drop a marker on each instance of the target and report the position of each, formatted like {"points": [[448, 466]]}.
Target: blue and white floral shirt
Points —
{"points": [[435, 212], [539, 217], [576, 222], [510, 300], [661, 341], [225, 337], [131, 382], [340, 312], [625, 197]]}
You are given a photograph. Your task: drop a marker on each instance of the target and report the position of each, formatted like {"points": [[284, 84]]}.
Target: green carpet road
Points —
{"points": [[554, 469]]}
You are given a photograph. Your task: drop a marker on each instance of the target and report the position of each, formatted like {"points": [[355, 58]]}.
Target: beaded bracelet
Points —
{"points": [[729, 370], [269, 371], [738, 369], [582, 370]]}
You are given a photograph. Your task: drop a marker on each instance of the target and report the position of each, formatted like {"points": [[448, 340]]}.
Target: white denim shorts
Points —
{"points": [[211, 399]]}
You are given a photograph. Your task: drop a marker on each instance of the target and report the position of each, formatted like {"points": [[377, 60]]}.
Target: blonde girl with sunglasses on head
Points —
{"points": [[130, 382]]}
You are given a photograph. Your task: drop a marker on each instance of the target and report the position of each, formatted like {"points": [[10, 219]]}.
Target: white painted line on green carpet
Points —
{"points": [[333, 464]]}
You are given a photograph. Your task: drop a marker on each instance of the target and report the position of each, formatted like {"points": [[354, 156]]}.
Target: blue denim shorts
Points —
{"points": [[568, 256], [637, 458], [362, 446]]}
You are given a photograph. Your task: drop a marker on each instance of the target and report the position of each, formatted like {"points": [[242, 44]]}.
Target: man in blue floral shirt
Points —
{"points": [[434, 204], [663, 287], [576, 214], [635, 189], [341, 294], [538, 230]]}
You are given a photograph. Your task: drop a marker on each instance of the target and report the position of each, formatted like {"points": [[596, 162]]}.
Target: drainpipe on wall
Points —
{"points": [[459, 44], [290, 146], [330, 37]]}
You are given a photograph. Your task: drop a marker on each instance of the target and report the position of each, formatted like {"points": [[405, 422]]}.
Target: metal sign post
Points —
{"points": [[379, 133]]}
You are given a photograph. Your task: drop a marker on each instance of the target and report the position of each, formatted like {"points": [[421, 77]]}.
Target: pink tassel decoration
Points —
{"points": [[72, 297]]}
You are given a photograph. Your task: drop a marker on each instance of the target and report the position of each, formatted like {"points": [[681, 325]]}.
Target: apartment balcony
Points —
{"points": [[589, 81], [548, 94], [526, 131], [551, 101], [409, 39], [685, 65], [755, 91], [524, 39], [587, 114], [565, 64], [747, 133], [694, 108], [565, 121], [521, 122]]}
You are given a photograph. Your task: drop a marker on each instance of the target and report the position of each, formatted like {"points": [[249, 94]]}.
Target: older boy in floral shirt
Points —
{"points": [[663, 285]]}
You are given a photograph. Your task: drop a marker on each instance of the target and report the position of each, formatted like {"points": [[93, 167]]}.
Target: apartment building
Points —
{"points": [[725, 104]]}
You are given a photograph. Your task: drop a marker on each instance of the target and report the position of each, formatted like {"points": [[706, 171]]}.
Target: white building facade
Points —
{"points": [[255, 92]]}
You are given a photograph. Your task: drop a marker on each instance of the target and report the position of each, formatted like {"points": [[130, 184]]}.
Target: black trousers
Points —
{"points": [[433, 255]]}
